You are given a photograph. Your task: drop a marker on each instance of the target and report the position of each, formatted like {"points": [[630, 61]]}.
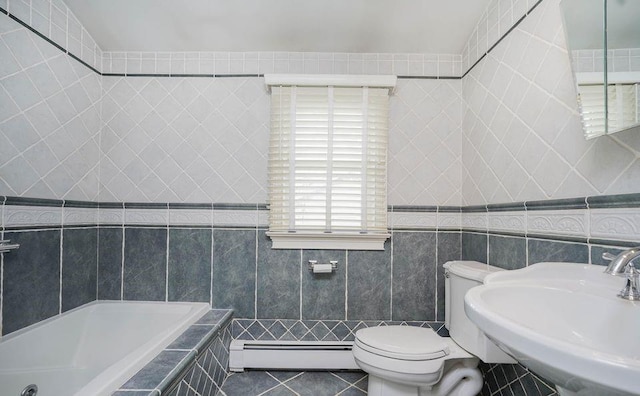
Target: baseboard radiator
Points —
{"points": [[291, 355]]}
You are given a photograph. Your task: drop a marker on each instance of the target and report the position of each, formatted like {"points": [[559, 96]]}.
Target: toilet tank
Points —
{"points": [[460, 276]]}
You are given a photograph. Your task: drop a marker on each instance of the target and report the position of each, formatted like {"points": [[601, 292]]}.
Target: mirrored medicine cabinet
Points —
{"points": [[603, 39]]}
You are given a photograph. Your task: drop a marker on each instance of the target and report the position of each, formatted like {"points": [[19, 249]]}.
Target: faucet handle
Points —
{"points": [[608, 256], [631, 291]]}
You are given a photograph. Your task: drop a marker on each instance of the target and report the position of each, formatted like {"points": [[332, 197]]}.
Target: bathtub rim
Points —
{"points": [[120, 371], [43, 322]]}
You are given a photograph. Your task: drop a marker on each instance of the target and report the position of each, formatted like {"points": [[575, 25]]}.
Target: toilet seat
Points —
{"points": [[403, 342]]}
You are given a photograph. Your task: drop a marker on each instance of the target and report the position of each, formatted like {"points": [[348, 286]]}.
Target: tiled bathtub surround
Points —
{"points": [[194, 364]]}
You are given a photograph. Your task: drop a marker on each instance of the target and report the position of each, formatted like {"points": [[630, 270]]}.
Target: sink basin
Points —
{"points": [[564, 322]]}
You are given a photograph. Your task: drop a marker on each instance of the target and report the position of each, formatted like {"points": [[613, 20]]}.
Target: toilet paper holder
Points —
{"points": [[317, 268]]}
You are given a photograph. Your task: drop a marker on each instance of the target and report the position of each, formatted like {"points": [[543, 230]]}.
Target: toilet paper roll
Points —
{"points": [[322, 268]]}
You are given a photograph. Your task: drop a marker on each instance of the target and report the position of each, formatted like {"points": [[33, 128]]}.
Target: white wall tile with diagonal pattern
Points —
{"points": [[49, 119], [206, 140], [522, 136], [184, 140]]}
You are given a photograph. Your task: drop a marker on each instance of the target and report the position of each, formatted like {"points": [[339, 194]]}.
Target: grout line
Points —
{"points": [[122, 261], [300, 289], [61, 257], [166, 270], [346, 284], [255, 282]]}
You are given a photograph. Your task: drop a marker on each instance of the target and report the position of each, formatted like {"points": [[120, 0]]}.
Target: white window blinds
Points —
{"points": [[328, 161], [622, 107]]}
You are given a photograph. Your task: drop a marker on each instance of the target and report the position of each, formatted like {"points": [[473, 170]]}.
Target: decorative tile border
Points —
{"points": [[605, 220], [314, 330], [16, 216], [507, 221], [558, 222], [413, 220], [617, 224]]}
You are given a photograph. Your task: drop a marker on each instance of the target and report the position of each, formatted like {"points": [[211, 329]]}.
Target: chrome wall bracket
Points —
{"points": [[7, 246]]}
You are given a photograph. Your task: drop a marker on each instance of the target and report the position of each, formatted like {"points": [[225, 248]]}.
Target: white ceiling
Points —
{"points": [[384, 26]]}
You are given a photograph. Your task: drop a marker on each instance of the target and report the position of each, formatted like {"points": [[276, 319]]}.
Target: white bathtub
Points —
{"points": [[93, 349]]}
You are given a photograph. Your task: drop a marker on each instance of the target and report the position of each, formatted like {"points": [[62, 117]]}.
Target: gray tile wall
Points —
{"points": [[513, 252], [54, 271], [236, 268]]}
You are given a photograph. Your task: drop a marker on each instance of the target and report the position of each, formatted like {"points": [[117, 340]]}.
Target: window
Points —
{"points": [[328, 161], [622, 107]]}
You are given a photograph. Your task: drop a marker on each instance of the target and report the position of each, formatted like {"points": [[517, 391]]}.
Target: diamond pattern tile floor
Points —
{"points": [[310, 383]]}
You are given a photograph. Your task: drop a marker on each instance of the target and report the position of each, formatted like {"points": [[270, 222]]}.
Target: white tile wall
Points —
{"points": [[54, 20], [49, 119], [184, 139], [425, 161], [498, 18], [513, 119], [434, 65], [206, 140], [522, 137]]}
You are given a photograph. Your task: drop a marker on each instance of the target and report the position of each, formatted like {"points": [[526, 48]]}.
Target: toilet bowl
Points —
{"points": [[404, 360], [408, 360]]}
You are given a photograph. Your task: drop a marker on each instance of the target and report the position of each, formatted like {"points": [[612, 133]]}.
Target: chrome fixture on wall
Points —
{"points": [[7, 246], [327, 268]]}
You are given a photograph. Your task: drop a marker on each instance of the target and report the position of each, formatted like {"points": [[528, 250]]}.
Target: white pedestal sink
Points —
{"points": [[564, 322]]}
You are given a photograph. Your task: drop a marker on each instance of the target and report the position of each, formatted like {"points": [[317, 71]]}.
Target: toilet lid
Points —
{"points": [[403, 342]]}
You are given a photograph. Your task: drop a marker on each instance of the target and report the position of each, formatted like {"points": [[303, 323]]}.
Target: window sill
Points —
{"points": [[333, 241]]}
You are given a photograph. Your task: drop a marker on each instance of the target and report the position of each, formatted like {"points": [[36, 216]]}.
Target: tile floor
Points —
{"points": [[310, 383]]}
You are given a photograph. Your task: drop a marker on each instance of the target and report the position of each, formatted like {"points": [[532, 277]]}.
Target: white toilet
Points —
{"points": [[405, 360]]}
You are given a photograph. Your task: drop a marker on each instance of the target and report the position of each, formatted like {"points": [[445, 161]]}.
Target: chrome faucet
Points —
{"points": [[622, 265]]}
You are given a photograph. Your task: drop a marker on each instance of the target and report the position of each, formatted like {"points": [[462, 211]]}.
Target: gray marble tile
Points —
{"points": [[110, 263], [369, 284], [449, 248], [190, 264], [79, 267], [278, 292], [414, 276], [323, 294], [279, 391], [596, 254], [540, 250], [193, 337], [214, 317], [31, 279], [248, 383], [507, 252], [234, 271], [154, 373], [317, 383], [145, 264], [474, 247]]}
